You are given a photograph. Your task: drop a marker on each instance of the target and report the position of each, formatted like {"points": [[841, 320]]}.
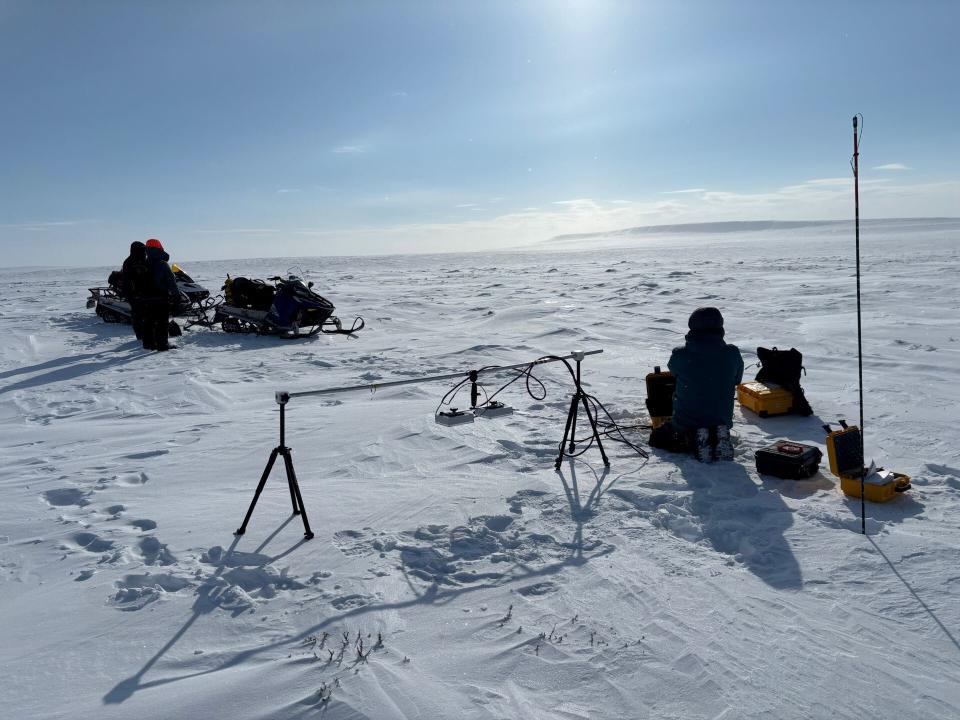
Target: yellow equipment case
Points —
{"points": [[660, 387], [845, 452], [764, 398]]}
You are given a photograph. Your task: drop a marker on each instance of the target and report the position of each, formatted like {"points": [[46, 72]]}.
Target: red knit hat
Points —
{"points": [[154, 243]]}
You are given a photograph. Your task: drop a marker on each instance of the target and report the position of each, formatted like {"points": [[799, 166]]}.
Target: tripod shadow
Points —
{"points": [[438, 593], [582, 511], [203, 605]]}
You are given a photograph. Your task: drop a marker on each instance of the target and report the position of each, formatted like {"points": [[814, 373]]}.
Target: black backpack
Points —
{"points": [[135, 280], [784, 367], [255, 294]]}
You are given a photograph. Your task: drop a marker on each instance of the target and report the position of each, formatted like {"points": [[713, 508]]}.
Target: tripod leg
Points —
{"points": [[573, 423], [288, 462], [566, 431], [295, 491], [596, 433], [256, 496]]}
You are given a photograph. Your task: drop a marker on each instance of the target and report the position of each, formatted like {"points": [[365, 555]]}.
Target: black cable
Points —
{"points": [[614, 426], [608, 428], [451, 394]]}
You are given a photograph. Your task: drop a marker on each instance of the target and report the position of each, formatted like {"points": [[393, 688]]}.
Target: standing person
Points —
{"points": [[164, 296], [137, 284], [707, 371]]}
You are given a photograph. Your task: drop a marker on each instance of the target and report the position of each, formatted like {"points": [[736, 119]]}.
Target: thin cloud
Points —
{"points": [[349, 149], [893, 166], [240, 231], [43, 225], [824, 199], [284, 191], [684, 192], [830, 182]]}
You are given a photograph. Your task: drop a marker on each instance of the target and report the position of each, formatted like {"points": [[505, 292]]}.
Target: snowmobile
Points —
{"points": [[287, 308], [114, 307]]}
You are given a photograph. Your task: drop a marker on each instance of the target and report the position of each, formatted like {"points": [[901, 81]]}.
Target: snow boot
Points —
{"points": [[724, 449], [703, 450]]}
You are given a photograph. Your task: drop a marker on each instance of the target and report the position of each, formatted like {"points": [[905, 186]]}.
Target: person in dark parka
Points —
{"points": [[164, 297], [137, 284], [707, 372]]}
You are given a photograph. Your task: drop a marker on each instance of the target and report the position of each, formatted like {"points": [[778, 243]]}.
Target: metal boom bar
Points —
{"points": [[283, 397]]}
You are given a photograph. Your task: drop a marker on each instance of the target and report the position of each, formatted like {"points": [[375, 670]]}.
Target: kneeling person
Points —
{"points": [[707, 372]]}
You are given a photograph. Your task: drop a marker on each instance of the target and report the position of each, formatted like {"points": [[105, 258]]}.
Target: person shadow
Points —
{"points": [[742, 520], [72, 367]]}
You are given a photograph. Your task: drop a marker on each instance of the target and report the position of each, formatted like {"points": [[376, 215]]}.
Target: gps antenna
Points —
{"points": [[856, 205]]}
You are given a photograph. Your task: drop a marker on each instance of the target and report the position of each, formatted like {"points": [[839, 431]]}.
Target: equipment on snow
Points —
{"points": [[764, 398], [287, 308], [453, 416], [282, 398], [783, 368], [789, 460], [660, 388], [845, 452]]}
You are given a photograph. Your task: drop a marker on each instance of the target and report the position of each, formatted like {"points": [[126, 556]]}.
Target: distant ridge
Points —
{"points": [[741, 226], [706, 227]]}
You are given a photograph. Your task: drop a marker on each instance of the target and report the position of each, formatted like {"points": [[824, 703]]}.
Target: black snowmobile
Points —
{"points": [[113, 307], [285, 307]]}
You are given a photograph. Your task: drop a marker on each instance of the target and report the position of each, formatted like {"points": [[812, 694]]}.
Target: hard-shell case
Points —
{"points": [[660, 387], [788, 460], [765, 399], [845, 451]]}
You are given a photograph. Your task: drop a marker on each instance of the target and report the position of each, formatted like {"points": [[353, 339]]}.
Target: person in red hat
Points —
{"points": [[164, 297]]}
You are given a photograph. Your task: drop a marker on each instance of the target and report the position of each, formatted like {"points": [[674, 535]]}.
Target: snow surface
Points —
{"points": [[497, 587]]}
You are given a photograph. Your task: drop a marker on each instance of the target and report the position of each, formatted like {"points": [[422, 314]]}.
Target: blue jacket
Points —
{"points": [[708, 371], [165, 284]]}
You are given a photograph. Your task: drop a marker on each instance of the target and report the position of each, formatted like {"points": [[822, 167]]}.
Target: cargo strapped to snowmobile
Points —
{"points": [[287, 309]]}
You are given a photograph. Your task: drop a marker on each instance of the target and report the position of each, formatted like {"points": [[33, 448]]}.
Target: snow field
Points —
{"points": [[470, 578]]}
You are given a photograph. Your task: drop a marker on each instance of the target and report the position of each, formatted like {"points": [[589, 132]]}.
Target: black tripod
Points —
{"points": [[570, 431], [283, 451]]}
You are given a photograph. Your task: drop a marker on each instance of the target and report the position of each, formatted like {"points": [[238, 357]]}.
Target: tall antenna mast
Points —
{"points": [[856, 203]]}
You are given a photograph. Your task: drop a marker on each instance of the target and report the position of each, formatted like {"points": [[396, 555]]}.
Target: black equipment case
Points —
{"points": [[788, 460], [660, 388]]}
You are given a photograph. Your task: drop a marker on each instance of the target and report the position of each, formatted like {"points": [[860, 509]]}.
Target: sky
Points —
{"points": [[257, 129]]}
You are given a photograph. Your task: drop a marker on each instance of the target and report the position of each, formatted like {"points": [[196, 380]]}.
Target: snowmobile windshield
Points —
{"points": [[295, 272]]}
